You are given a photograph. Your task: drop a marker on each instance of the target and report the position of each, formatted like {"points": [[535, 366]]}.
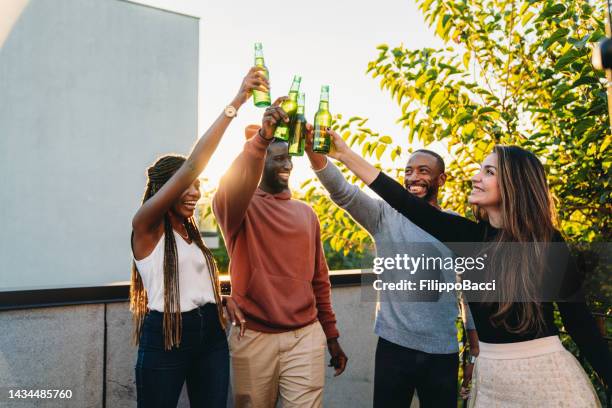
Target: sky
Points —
{"points": [[325, 41]]}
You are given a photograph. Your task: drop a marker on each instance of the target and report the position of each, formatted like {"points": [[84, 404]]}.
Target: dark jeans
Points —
{"points": [[202, 359], [399, 370]]}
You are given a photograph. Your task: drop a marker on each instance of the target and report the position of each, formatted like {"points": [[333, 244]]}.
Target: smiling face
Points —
{"points": [[423, 176], [185, 206], [485, 184], [277, 168]]}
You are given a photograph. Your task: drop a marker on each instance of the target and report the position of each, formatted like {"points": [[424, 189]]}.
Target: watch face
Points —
{"points": [[230, 111]]}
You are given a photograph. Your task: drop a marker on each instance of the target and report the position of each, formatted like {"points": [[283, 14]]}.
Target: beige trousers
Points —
{"points": [[269, 366]]}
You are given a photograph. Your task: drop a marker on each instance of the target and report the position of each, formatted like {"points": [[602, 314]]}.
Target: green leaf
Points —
{"points": [[605, 144], [566, 59], [552, 11], [385, 139], [380, 149], [527, 17], [421, 80], [396, 152], [466, 59], [556, 36], [486, 109], [398, 53], [583, 80], [469, 129], [365, 149], [437, 101], [304, 184]]}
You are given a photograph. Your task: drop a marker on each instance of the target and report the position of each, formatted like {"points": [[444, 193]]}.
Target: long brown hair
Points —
{"points": [[528, 215], [157, 175]]}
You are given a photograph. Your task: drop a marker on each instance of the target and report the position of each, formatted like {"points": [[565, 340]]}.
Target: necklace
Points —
{"points": [[184, 236]]}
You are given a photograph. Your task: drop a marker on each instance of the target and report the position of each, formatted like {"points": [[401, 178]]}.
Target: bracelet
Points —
{"points": [[262, 136]]}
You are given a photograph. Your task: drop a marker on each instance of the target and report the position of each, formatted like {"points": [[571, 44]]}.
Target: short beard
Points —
{"points": [[270, 179], [430, 192]]}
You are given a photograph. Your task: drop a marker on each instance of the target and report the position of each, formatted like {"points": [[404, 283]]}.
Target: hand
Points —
{"points": [[317, 160], [467, 379], [235, 315], [339, 148], [272, 117], [254, 79], [338, 359]]}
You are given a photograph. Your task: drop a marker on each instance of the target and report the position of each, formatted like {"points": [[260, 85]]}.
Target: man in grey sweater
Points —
{"points": [[417, 346]]}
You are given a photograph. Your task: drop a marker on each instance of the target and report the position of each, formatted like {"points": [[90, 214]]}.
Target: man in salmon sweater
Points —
{"points": [[279, 278]]}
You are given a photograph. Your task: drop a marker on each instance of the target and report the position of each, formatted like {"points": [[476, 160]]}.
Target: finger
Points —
{"points": [[242, 327], [255, 68], [270, 121], [254, 83], [341, 366], [336, 139], [272, 108], [260, 87], [271, 115], [334, 134], [284, 115], [279, 100], [240, 316], [232, 317], [280, 115], [260, 75], [309, 133]]}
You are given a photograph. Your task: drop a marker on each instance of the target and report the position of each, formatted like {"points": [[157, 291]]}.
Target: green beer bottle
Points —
{"points": [[261, 99], [297, 138], [322, 122], [283, 130]]}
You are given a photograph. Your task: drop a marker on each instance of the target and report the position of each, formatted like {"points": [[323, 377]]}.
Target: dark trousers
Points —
{"points": [[400, 370], [202, 359]]}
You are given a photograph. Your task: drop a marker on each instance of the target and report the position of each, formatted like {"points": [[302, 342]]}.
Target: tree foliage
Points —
{"points": [[509, 72], [512, 72]]}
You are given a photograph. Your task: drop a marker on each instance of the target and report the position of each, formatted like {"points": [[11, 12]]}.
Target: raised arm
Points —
{"points": [[151, 213], [238, 185], [366, 210], [443, 226]]}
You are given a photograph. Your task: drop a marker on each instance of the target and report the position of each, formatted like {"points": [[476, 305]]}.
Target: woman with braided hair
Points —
{"points": [[175, 294]]}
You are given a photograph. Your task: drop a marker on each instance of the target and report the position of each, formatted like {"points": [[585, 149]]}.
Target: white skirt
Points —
{"points": [[537, 373]]}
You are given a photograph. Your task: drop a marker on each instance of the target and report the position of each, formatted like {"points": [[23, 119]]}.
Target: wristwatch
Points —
{"points": [[230, 111], [471, 359]]}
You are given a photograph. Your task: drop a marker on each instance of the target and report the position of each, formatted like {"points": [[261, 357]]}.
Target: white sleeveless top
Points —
{"points": [[195, 285]]}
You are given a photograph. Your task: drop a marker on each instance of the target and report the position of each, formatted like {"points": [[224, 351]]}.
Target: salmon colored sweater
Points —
{"points": [[278, 270]]}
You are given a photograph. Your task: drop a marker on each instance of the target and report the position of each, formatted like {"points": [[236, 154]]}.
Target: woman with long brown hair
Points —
{"points": [[522, 362], [175, 295]]}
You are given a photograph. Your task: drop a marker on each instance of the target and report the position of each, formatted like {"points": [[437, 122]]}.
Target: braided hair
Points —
{"points": [[157, 175]]}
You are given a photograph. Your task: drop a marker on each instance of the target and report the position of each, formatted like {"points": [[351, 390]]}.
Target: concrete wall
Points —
{"points": [[92, 91], [63, 347], [53, 348]]}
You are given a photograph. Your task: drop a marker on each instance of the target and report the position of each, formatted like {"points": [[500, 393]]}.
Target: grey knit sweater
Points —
{"points": [[425, 326]]}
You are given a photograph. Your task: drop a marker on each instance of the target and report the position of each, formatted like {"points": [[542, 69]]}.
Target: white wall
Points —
{"points": [[91, 92]]}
